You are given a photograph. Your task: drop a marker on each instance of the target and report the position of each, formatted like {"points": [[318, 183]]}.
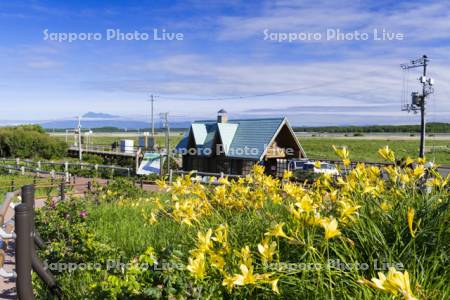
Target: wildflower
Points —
{"points": [[305, 204], [197, 266], [419, 171], [277, 199], [246, 256], [221, 236], [385, 206], [411, 213], [217, 261], [404, 178], [393, 173], [348, 209], [436, 182], [204, 242], [152, 219], [387, 154], [161, 184], [421, 160], [343, 154], [228, 282], [408, 161], [267, 251], [277, 230], [83, 214], [330, 226], [287, 175], [395, 283], [274, 284], [246, 277]]}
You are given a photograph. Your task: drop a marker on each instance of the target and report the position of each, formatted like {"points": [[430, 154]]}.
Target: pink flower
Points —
{"points": [[83, 214]]}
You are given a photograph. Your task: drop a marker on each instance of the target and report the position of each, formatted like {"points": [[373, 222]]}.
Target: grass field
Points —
{"points": [[366, 149], [362, 148]]}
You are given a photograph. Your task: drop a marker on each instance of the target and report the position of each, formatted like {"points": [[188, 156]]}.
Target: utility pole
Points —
{"points": [[165, 116], [80, 147], [152, 101], [418, 101]]}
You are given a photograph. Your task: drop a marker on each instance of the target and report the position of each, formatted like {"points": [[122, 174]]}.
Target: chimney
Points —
{"points": [[222, 116]]}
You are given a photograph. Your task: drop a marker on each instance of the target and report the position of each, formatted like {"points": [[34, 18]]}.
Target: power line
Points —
{"points": [[263, 94]]}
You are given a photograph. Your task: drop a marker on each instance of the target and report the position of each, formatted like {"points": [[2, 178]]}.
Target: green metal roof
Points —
{"points": [[244, 138]]}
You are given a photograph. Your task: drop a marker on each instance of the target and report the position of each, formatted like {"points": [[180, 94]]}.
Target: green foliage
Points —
{"points": [[366, 149], [29, 141], [431, 127]]}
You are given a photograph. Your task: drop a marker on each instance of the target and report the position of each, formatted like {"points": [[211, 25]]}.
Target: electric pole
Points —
{"points": [[165, 116], [418, 101], [80, 147], [152, 101]]}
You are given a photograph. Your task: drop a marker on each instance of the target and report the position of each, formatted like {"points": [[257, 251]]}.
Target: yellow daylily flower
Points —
{"points": [[246, 256], [246, 277], [197, 266], [221, 235], [387, 154], [228, 282], [394, 283], [287, 175], [274, 284], [330, 226], [343, 154], [217, 261], [411, 213], [399, 282], [419, 171], [267, 251], [204, 242], [305, 204], [277, 231], [421, 160], [385, 206], [348, 209]]}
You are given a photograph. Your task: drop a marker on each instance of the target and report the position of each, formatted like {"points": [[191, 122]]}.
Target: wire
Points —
{"points": [[263, 94]]}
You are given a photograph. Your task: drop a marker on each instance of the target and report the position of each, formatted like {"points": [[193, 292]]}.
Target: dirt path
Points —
{"points": [[8, 286]]}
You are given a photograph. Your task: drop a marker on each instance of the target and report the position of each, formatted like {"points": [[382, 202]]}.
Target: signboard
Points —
{"points": [[151, 164]]}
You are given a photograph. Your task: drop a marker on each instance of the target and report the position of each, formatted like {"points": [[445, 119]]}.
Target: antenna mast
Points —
{"points": [[418, 101]]}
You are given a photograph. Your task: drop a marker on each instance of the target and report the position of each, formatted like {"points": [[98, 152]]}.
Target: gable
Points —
{"points": [[244, 139]]}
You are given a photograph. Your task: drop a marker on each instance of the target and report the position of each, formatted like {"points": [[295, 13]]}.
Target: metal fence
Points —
{"points": [[63, 168], [27, 240]]}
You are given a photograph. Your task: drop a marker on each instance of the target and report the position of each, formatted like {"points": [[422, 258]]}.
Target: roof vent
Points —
{"points": [[222, 116]]}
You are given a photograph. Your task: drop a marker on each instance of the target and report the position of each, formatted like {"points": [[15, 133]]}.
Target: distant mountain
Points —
{"points": [[94, 115], [121, 124]]}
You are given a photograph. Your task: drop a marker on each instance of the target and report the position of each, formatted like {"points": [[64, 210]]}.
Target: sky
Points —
{"points": [[334, 70]]}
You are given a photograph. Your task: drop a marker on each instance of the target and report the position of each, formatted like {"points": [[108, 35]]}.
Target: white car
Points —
{"points": [[325, 168], [297, 164]]}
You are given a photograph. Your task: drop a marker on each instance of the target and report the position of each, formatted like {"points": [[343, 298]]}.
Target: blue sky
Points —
{"points": [[223, 54]]}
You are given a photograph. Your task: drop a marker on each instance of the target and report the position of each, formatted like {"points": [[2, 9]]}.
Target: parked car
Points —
{"points": [[297, 164], [325, 168]]}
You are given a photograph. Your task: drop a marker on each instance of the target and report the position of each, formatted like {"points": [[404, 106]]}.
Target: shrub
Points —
{"points": [[30, 141]]}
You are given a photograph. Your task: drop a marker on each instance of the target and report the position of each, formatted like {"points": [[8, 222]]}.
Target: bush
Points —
{"points": [[30, 141]]}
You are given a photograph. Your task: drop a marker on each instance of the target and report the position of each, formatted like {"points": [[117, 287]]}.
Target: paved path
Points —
{"points": [[8, 286]]}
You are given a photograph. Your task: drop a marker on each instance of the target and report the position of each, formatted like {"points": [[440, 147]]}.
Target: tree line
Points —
{"points": [[30, 141], [431, 128]]}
